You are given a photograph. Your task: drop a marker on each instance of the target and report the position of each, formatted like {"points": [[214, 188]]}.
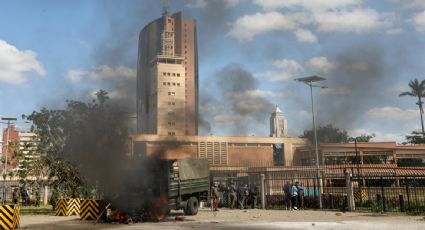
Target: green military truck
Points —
{"points": [[188, 184]]}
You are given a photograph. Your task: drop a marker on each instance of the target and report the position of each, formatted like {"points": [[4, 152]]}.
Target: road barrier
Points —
{"points": [[67, 207], [9, 216], [90, 209]]}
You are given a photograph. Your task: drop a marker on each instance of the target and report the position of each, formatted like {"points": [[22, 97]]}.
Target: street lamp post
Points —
{"points": [[8, 119], [309, 81]]}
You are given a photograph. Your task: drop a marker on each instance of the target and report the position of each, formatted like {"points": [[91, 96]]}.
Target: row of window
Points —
{"points": [[171, 133], [171, 93], [171, 103], [170, 83], [171, 123], [170, 74]]}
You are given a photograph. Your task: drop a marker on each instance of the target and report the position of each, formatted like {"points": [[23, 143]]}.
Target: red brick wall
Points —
{"points": [[250, 156]]}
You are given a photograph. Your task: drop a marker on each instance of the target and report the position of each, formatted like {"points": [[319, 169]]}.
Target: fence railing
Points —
{"points": [[381, 188]]}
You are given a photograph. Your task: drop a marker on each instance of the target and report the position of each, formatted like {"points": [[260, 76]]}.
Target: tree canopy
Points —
{"points": [[76, 141]]}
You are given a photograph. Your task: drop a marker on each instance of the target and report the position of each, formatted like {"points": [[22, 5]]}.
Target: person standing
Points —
{"points": [[253, 193], [233, 195], [287, 195], [294, 197], [15, 196], [300, 190], [215, 198], [241, 196]]}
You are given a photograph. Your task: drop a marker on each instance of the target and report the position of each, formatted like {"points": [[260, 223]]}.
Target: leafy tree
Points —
{"points": [[327, 134], [415, 138], [417, 90], [71, 141]]}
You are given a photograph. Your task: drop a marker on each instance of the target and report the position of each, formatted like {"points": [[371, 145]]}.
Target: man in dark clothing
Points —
{"points": [[253, 193], [241, 196], [232, 194], [15, 196], [287, 195], [300, 191]]}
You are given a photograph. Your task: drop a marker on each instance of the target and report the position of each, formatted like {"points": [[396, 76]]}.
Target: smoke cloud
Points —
{"points": [[232, 100]]}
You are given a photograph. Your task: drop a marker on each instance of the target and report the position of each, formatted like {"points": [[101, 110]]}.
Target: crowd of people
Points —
{"points": [[234, 196], [24, 195], [242, 196], [293, 196]]}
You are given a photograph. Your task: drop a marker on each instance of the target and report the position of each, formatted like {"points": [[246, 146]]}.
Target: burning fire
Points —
{"points": [[158, 209]]}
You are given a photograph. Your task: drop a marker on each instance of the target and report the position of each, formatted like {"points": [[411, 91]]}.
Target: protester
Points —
{"points": [[287, 195], [15, 196], [300, 190], [294, 197]]}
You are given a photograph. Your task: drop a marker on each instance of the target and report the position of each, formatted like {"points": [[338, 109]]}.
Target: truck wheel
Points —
{"points": [[191, 207]]}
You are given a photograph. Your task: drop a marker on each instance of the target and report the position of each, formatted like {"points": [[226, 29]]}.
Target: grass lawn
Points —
{"points": [[32, 210]]}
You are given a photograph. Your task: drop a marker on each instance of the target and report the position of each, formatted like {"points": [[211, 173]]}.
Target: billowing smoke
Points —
{"points": [[360, 77], [233, 100]]}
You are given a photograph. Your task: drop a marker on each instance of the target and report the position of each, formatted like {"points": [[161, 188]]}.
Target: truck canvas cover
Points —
{"points": [[190, 169]]}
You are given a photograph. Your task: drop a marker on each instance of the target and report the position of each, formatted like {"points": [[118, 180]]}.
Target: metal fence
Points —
{"points": [[376, 187], [8, 186]]}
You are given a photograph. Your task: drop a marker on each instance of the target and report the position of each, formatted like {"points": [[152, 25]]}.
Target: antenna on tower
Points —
{"points": [[164, 7]]}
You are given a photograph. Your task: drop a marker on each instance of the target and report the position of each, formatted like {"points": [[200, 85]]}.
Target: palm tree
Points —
{"points": [[417, 90]]}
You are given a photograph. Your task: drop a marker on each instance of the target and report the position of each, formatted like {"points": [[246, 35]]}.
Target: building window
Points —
{"points": [[178, 75], [168, 74], [174, 84], [174, 74], [164, 83], [178, 84], [168, 83], [163, 73]]}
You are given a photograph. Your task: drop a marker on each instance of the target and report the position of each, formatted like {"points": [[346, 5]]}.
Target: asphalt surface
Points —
{"points": [[243, 219]]}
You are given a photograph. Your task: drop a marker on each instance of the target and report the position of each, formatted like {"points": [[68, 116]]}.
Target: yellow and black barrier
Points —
{"points": [[90, 209], [361, 195], [9, 216], [67, 207]]}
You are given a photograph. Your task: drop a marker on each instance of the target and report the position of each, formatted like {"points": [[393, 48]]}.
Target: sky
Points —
{"points": [[250, 52]]}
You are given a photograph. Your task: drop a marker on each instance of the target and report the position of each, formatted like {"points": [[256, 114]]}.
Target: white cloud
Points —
{"points": [[308, 4], [393, 113], [15, 64], [288, 69], [75, 75], [274, 75], [379, 136], [231, 3], [356, 20], [197, 4], [305, 36], [107, 72], [319, 64], [419, 21], [304, 113], [336, 91], [102, 72], [248, 26], [288, 64]]}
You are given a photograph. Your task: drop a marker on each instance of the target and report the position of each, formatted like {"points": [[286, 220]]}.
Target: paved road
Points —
{"points": [[245, 219]]}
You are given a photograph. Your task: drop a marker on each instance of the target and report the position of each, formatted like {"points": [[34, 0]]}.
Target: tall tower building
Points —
{"points": [[278, 124], [167, 77]]}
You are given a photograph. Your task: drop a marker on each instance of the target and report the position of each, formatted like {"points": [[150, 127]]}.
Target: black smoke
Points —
{"points": [[231, 100]]}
